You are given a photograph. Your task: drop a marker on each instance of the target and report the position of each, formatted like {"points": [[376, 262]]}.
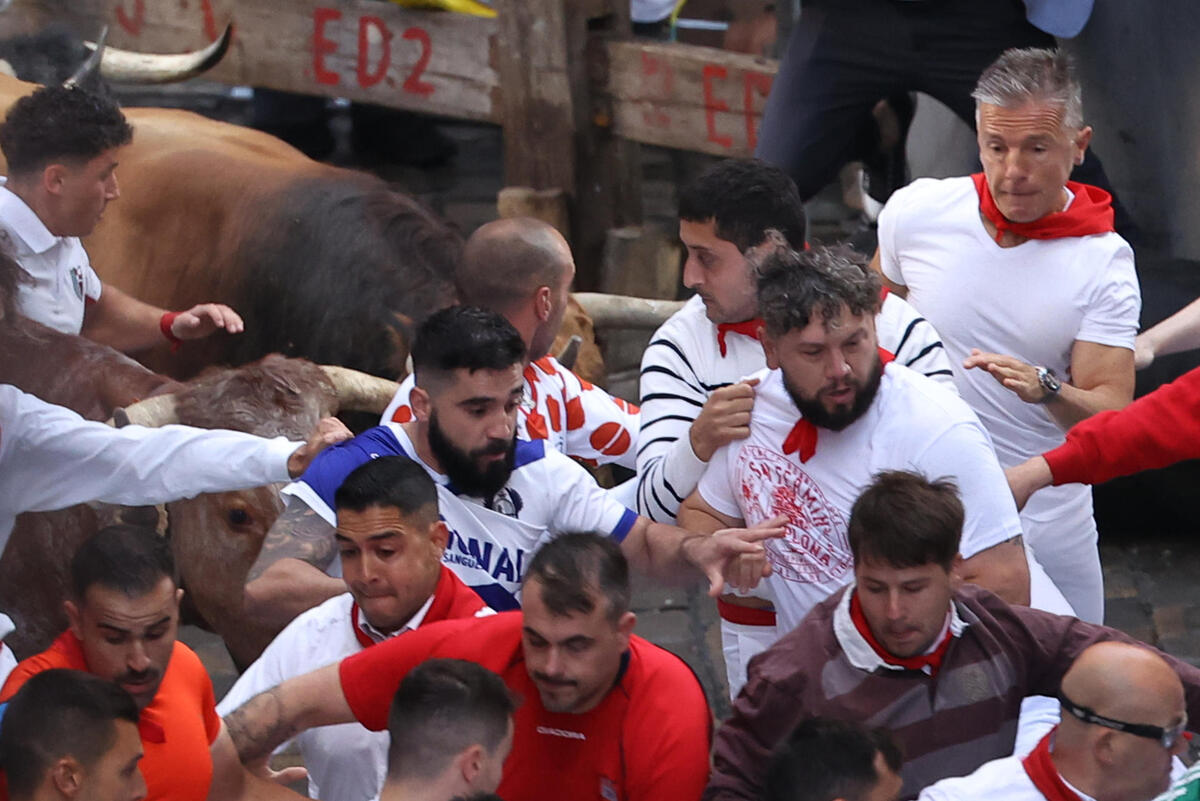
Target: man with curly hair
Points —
{"points": [[61, 146]]}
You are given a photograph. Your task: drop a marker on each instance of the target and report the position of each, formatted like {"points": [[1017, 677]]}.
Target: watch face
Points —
{"points": [[1048, 380]]}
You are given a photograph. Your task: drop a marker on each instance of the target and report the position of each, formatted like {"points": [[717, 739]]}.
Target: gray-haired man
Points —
{"points": [[1034, 294]]}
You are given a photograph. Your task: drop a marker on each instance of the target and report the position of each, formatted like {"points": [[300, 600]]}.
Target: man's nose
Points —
{"points": [[503, 427], [838, 366], [113, 189], [138, 660], [691, 272]]}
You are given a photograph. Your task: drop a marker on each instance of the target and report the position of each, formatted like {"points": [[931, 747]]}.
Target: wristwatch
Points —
{"points": [[1050, 383]]}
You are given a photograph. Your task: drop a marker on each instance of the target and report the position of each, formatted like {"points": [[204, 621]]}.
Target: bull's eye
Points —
{"points": [[238, 517]]}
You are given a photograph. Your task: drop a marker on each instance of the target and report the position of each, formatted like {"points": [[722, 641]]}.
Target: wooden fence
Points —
{"points": [[572, 90]]}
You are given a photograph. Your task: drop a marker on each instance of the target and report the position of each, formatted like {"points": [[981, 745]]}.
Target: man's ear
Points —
{"points": [[1082, 140], [54, 177], [439, 535], [543, 303], [625, 626], [956, 579], [421, 404], [74, 618], [67, 776], [770, 349], [470, 763]]}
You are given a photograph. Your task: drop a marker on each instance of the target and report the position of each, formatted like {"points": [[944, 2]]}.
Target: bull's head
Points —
{"points": [[217, 537]]}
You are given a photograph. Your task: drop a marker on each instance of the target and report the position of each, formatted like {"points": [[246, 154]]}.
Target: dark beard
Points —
{"points": [[461, 468], [813, 411]]}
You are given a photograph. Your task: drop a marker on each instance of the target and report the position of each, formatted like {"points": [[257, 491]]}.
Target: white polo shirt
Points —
{"points": [[576, 417], [913, 424], [491, 539], [63, 278]]}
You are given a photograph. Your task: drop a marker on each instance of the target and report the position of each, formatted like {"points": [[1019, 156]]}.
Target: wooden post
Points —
{"points": [[550, 56]]}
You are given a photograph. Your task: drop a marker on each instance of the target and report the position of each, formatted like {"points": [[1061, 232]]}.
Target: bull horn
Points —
{"points": [[570, 352], [621, 311], [151, 412], [126, 66], [360, 392], [88, 68]]}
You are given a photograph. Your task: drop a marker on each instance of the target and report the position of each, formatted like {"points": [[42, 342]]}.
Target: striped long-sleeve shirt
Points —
{"points": [[683, 365]]}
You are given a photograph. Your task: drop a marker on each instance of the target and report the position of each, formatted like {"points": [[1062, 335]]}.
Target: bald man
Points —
{"points": [[522, 268], [1123, 718]]}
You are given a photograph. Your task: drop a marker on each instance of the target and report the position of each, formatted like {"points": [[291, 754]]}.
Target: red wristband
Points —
{"points": [[164, 325]]}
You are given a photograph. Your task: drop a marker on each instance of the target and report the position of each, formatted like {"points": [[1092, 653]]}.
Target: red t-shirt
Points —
{"points": [[648, 739], [177, 727]]}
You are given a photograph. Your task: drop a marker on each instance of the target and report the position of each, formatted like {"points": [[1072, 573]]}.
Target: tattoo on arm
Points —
{"points": [[298, 533], [259, 726]]}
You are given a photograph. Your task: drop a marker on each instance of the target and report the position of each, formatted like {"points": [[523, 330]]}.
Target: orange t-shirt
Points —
{"points": [[177, 727]]}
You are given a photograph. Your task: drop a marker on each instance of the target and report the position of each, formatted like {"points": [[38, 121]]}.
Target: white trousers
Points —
{"points": [[740, 643], [1059, 527]]}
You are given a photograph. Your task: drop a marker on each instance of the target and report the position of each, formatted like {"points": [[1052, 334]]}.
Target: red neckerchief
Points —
{"points": [[363, 638], [803, 436], [747, 328], [438, 610], [933, 661], [1044, 775], [1090, 212]]}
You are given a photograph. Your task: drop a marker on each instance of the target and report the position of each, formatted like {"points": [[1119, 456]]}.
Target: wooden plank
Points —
{"points": [[536, 104], [687, 97], [361, 49]]}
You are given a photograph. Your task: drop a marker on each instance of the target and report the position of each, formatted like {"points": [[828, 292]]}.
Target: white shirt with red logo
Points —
{"points": [[63, 281], [683, 365], [575, 416], [913, 424]]}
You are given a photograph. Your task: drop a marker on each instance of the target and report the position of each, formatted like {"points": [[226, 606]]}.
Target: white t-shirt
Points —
{"points": [[51, 458], [63, 278], [347, 761], [576, 417], [913, 424], [683, 365], [1032, 301], [491, 540], [999, 780]]}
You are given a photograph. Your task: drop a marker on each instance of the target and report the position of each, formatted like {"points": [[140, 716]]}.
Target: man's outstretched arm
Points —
{"points": [[270, 719], [1156, 430], [127, 324]]}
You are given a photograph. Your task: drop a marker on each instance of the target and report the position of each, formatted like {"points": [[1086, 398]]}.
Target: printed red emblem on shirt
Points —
{"points": [[815, 548], [611, 439]]}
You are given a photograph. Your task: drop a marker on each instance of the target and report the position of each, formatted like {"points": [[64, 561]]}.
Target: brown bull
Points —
{"points": [[324, 263]]}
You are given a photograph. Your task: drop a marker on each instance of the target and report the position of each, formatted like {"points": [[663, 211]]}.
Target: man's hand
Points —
{"points": [[1012, 373], [262, 768], [724, 418], [719, 555], [205, 318], [329, 431], [1027, 478]]}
